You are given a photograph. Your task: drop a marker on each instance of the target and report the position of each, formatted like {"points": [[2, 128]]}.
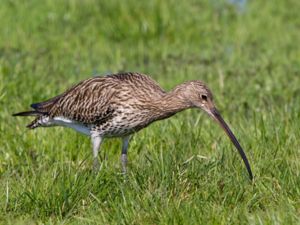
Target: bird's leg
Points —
{"points": [[124, 153], [96, 141]]}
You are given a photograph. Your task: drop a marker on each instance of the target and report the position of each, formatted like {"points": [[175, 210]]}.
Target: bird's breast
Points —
{"points": [[125, 121]]}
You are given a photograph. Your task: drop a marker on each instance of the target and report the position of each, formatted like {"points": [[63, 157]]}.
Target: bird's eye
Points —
{"points": [[204, 97]]}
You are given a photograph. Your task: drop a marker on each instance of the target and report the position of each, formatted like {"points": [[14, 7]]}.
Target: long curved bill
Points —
{"points": [[217, 116]]}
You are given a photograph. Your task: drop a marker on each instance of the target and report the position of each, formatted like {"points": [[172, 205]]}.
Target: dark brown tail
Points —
{"points": [[36, 122], [29, 113]]}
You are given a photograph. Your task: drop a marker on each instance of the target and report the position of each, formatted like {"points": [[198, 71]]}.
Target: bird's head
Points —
{"points": [[199, 96]]}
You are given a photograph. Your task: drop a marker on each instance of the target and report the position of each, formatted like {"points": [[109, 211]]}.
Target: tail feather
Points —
{"points": [[35, 105], [34, 124], [29, 113], [46, 105]]}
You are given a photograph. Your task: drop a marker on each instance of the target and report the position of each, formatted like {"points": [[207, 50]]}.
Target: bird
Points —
{"points": [[121, 104]]}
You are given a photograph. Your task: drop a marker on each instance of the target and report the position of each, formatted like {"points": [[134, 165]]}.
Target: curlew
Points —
{"points": [[119, 105]]}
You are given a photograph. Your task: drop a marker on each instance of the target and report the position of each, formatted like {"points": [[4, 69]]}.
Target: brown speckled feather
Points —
{"points": [[94, 100]]}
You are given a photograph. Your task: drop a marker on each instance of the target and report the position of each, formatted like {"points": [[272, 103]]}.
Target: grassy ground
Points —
{"points": [[183, 170]]}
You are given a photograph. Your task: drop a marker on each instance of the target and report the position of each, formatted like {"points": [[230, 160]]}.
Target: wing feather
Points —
{"points": [[93, 100]]}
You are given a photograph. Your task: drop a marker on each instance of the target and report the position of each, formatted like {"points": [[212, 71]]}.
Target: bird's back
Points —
{"points": [[95, 99]]}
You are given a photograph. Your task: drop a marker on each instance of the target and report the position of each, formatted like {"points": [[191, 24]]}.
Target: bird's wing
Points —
{"points": [[87, 102], [140, 84], [94, 100]]}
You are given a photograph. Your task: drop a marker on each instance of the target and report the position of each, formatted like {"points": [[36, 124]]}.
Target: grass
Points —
{"points": [[183, 170]]}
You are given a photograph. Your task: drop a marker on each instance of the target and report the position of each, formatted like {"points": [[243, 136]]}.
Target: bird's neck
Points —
{"points": [[171, 103]]}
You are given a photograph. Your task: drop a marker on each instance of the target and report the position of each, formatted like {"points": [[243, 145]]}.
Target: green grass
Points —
{"points": [[183, 170]]}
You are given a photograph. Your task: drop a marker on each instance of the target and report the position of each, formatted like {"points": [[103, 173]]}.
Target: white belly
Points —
{"points": [[62, 121]]}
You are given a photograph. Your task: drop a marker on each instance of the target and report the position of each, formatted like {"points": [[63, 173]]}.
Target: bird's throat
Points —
{"points": [[170, 104]]}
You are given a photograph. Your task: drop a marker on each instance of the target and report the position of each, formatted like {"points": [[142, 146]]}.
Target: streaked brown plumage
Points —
{"points": [[121, 104]]}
